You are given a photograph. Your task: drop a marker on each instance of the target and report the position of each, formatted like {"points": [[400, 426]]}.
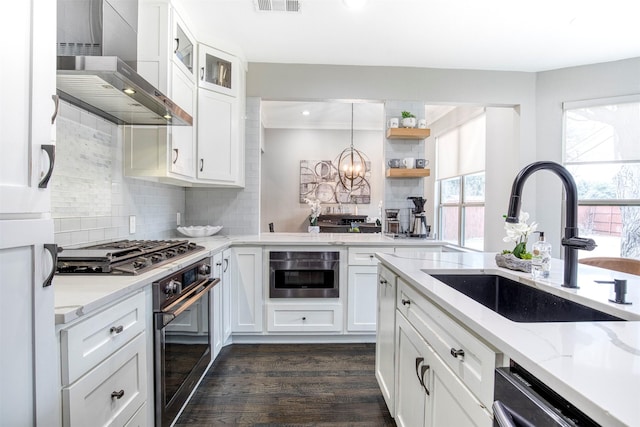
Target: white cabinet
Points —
{"points": [[428, 393], [27, 135], [226, 296], [104, 365], [29, 377], [28, 395], [166, 59], [217, 308], [385, 336], [362, 288], [443, 373], [218, 71], [246, 289], [219, 142], [304, 317]]}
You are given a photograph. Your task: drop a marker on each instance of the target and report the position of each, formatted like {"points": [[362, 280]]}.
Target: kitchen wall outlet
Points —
{"points": [[178, 218], [132, 224]]}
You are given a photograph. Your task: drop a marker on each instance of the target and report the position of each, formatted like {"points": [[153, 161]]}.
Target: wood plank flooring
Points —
{"points": [[290, 384]]}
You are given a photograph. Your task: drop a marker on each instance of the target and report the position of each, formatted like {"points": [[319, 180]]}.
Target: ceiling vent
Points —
{"points": [[277, 5]]}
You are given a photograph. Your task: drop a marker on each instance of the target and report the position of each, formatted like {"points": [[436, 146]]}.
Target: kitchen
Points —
{"points": [[536, 96]]}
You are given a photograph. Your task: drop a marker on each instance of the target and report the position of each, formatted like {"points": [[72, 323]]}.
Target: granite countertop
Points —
{"points": [[594, 365]]}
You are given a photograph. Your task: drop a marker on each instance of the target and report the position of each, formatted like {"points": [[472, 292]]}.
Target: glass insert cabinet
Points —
{"points": [[218, 71]]}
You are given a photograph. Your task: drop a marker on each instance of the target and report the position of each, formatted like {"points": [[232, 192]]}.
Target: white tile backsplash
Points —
{"points": [[91, 198]]}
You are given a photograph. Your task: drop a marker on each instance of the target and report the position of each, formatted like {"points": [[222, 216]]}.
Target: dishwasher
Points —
{"points": [[522, 400]]}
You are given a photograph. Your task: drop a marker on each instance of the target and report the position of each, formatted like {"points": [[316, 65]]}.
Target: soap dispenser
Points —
{"points": [[541, 258]]}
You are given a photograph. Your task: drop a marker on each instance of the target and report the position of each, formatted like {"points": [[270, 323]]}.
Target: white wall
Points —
{"points": [[280, 176]]}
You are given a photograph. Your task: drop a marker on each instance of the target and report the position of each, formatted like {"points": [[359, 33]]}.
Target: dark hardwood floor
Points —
{"points": [[290, 384]]}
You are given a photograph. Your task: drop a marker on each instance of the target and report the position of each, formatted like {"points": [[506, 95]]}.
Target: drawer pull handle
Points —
{"points": [[116, 329], [383, 281], [117, 394], [304, 318], [455, 353], [406, 302]]}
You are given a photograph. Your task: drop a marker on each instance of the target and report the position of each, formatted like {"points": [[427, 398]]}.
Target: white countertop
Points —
{"points": [[76, 296], [594, 365]]}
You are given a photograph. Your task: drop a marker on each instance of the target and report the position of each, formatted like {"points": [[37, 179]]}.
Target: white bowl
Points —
{"points": [[199, 230]]}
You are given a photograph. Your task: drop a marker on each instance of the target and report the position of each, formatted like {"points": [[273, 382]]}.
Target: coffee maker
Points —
{"points": [[418, 225], [392, 224]]}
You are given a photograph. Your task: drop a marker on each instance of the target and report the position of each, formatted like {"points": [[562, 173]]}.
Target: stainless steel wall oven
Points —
{"points": [[304, 274], [182, 309]]}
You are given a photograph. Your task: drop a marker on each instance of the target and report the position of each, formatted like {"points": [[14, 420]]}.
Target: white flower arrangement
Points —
{"points": [[315, 210], [519, 234]]}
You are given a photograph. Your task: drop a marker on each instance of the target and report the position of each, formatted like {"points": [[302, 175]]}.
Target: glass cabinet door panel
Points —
{"points": [[183, 48]]}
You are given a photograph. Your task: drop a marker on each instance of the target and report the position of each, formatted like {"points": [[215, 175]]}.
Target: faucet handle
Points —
{"points": [[582, 243], [620, 289]]}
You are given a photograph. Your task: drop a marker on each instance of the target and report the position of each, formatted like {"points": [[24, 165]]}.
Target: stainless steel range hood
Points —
{"points": [[97, 54]]}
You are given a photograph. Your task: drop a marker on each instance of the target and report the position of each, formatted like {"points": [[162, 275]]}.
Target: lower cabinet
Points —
{"points": [[104, 366], [428, 392], [361, 298], [246, 289], [304, 317], [385, 336]]}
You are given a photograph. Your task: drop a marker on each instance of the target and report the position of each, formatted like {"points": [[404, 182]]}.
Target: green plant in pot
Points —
{"points": [[408, 120]]}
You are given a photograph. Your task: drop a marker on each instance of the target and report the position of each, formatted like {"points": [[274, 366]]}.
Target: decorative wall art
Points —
{"points": [[319, 180]]}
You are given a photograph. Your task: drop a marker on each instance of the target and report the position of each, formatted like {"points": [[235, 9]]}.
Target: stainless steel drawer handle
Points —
{"points": [[116, 329], [455, 353], [117, 394], [406, 302]]}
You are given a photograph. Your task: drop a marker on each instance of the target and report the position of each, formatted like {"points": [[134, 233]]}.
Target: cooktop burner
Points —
{"points": [[123, 256]]}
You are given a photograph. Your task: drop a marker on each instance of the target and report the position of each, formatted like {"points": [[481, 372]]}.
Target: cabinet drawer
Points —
{"points": [[366, 255], [89, 342], [476, 367], [304, 317], [93, 399], [139, 419]]}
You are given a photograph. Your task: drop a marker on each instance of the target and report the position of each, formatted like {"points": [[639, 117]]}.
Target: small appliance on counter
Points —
{"points": [[392, 223], [418, 225]]}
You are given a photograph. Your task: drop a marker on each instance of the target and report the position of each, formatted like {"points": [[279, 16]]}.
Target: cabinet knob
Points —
{"points": [[406, 302], [117, 394], [383, 281], [455, 353], [116, 329], [304, 318]]}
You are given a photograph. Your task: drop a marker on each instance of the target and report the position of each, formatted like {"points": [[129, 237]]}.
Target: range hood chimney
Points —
{"points": [[97, 56]]}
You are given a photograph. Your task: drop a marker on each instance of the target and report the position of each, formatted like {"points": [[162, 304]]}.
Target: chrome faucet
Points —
{"points": [[570, 241]]}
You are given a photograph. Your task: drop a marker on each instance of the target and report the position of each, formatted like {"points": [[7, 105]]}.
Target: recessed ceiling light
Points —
{"points": [[129, 91], [354, 4], [306, 113], [167, 116]]}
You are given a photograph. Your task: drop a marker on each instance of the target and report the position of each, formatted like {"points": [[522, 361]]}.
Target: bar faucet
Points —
{"points": [[571, 242]]}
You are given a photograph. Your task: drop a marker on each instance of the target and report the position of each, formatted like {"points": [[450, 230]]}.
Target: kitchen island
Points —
{"points": [[594, 365]]}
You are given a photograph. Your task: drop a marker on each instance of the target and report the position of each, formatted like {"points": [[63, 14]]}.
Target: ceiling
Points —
{"points": [[513, 35]]}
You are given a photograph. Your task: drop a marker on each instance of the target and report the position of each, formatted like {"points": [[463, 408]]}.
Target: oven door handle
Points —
{"points": [[187, 299], [507, 417]]}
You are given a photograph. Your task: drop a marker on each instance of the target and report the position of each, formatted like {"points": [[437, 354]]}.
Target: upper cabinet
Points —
{"points": [[29, 107], [184, 47], [218, 71]]}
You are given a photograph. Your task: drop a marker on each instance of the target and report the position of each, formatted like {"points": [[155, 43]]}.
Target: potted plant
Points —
{"points": [[408, 120], [518, 258]]}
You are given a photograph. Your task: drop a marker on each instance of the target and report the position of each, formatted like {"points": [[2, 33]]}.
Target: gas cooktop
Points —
{"points": [[123, 256]]}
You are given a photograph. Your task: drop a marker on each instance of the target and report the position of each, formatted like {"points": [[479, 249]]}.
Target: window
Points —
{"points": [[602, 152], [460, 184]]}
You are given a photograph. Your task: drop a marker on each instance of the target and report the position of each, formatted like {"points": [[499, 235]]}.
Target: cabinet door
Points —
{"points": [[183, 46], [451, 402], [218, 71], [217, 137], [215, 318], [29, 376], [27, 84], [361, 299], [183, 92], [411, 397], [246, 290], [226, 295], [385, 336]]}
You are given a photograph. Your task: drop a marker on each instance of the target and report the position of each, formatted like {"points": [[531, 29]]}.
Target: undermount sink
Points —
{"points": [[519, 302]]}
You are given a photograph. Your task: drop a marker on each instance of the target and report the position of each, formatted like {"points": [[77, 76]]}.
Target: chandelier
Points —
{"points": [[352, 165]]}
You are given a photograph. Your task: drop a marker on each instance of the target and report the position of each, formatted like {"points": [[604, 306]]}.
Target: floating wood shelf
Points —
{"points": [[407, 173], [408, 133]]}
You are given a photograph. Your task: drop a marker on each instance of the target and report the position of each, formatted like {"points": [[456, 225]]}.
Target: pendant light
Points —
{"points": [[352, 165]]}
